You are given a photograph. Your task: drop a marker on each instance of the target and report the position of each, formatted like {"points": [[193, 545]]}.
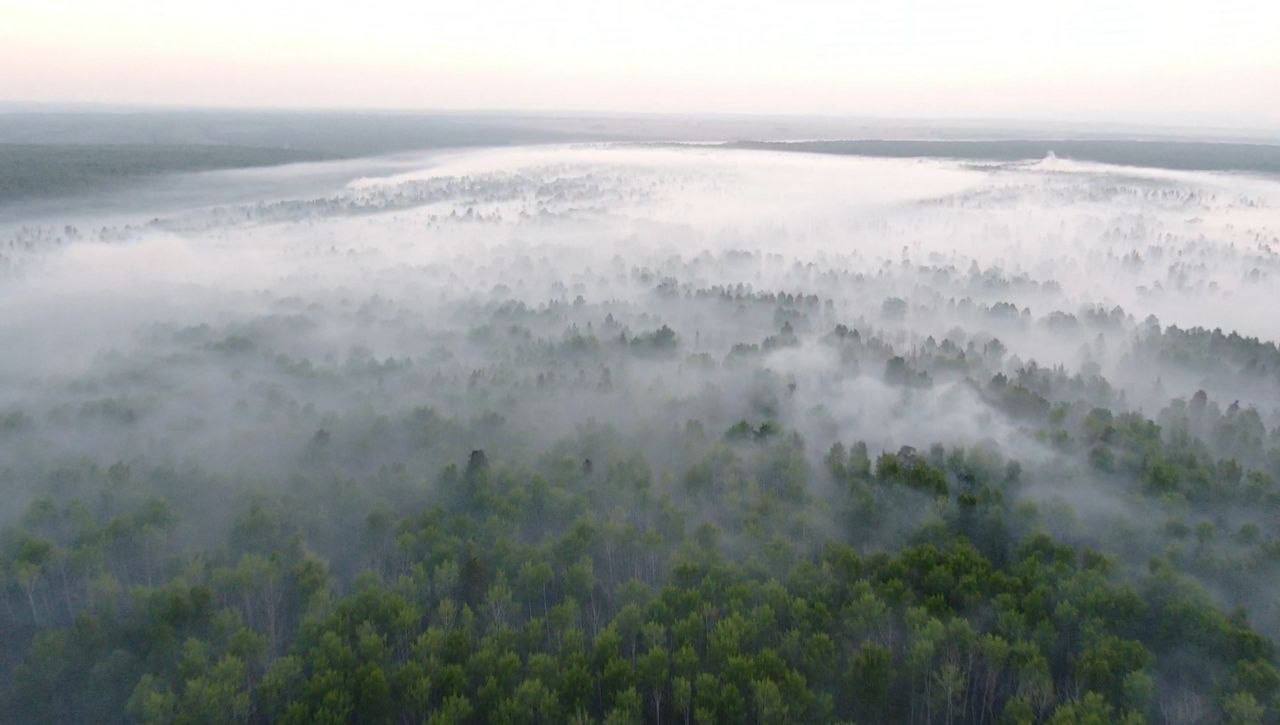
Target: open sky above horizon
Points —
{"points": [[1139, 62]]}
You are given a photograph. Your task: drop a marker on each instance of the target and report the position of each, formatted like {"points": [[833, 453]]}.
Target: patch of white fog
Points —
{"points": [[418, 265]]}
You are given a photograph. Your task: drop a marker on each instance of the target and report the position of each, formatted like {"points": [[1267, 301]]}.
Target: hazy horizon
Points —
{"points": [[896, 124], [1154, 63], [639, 363]]}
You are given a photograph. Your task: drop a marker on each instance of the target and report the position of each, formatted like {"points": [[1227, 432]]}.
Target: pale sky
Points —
{"points": [[1143, 61]]}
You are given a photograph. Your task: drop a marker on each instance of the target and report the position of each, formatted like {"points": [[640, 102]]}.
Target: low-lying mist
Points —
{"points": [[1098, 339]]}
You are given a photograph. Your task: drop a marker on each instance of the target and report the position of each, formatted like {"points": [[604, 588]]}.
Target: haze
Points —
{"points": [[1169, 63], [639, 364]]}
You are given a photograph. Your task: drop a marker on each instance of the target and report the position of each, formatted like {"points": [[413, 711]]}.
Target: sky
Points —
{"points": [[1160, 61]]}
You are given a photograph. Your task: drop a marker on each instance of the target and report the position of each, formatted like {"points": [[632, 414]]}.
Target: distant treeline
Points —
{"points": [[332, 134], [55, 155], [1188, 155], [59, 154], [42, 170]]}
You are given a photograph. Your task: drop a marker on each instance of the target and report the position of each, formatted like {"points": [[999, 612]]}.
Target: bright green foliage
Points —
{"points": [[747, 587]]}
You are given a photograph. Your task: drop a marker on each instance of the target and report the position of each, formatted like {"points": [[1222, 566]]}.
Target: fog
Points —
{"points": [[363, 321], [500, 266]]}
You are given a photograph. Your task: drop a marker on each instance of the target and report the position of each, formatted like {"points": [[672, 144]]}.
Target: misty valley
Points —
{"points": [[625, 432]]}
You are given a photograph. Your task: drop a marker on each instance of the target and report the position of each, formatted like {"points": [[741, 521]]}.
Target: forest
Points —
{"points": [[628, 434]]}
